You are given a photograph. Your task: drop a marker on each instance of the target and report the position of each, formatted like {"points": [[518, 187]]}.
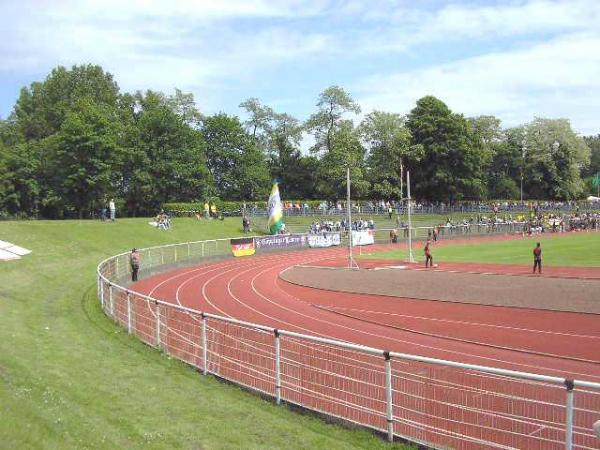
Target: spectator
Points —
{"points": [[112, 208], [134, 260]]}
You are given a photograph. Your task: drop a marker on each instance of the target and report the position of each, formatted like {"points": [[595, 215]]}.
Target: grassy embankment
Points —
{"points": [[70, 378]]}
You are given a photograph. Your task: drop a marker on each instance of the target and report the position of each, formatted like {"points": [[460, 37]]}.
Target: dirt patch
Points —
{"points": [[555, 294]]}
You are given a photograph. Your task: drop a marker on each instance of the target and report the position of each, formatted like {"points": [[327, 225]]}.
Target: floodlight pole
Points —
{"points": [[410, 253], [351, 262]]}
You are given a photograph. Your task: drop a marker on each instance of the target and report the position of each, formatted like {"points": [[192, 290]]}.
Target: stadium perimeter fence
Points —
{"points": [[436, 403]]}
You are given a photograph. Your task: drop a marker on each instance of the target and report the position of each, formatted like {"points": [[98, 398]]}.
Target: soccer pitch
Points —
{"points": [[572, 249]]}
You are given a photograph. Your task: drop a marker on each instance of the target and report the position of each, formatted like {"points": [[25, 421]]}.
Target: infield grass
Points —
{"points": [[573, 249], [70, 378]]}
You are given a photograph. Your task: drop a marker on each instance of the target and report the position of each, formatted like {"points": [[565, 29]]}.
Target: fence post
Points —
{"points": [[569, 421], [388, 396], [203, 249], [117, 266], [102, 293], [129, 313], [111, 303], [175, 255], [162, 255], [277, 367], [204, 346], [157, 324], [188, 246]]}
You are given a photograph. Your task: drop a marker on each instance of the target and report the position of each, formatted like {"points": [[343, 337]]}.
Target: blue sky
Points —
{"points": [[512, 59]]}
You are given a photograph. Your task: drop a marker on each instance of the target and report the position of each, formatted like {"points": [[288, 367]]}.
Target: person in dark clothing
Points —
{"points": [[537, 258], [134, 260], [428, 257]]}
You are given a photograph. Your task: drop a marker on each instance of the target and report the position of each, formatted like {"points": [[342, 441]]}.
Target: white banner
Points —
{"points": [[324, 240], [364, 237]]}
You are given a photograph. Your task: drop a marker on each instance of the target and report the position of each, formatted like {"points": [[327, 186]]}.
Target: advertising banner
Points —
{"points": [[364, 237], [324, 240], [280, 241], [242, 246]]}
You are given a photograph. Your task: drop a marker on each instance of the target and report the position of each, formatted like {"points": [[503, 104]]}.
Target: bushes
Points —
{"points": [[227, 207]]}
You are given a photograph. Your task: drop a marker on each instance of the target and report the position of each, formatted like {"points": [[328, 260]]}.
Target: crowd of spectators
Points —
{"points": [[327, 226], [397, 207], [162, 220]]}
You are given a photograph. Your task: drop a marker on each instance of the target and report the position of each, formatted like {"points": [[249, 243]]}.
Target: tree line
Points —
{"points": [[74, 140]]}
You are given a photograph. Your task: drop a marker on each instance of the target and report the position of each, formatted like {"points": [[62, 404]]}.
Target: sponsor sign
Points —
{"points": [[280, 241], [324, 240], [242, 246], [363, 237]]}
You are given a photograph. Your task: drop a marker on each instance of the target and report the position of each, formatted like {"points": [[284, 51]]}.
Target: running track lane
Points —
{"points": [[249, 289]]}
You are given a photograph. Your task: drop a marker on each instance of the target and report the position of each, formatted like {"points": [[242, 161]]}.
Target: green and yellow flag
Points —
{"points": [[275, 211]]}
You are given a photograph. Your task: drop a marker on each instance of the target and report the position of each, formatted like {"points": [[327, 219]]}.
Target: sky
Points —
{"points": [[512, 59]]}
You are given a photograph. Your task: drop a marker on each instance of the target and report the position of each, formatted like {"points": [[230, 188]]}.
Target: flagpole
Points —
{"points": [[351, 262], [410, 253]]}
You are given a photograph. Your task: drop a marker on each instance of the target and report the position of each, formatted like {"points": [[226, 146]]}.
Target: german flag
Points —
{"points": [[243, 246]]}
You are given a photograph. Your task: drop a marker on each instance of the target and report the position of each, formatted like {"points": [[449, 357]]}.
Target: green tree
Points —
{"points": [[42, 108], [453, 161], [236, 164], [165, 159], [334, 102], [593, 142], [296, 173], [389, 144], [503, 154], [346, 151], [85, 157], [554, 155], [20, 163]]}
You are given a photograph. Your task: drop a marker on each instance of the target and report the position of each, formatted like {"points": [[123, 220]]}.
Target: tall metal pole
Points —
{"points": [[401, 181], [351, 263], [410, 253]]}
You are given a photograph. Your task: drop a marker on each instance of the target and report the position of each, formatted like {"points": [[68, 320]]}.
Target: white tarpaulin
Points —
{"points": [[364, 237], [10, 251], [324, 240], [7, 256]]}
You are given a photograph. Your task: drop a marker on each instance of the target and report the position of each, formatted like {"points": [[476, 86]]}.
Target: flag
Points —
{"points": [[275, 211]]}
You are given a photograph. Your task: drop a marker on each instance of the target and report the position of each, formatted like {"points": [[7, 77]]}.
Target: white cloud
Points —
{"points": [[560, 78], [406, 28], [156, 44]]}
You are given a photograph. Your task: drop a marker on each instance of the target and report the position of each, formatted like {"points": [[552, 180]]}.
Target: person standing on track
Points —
{"points": [[134, 260], [428, 257], [537, 258]]}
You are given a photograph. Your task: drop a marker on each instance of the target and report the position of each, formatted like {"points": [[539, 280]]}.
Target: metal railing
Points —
{"points": [[433, 402]]}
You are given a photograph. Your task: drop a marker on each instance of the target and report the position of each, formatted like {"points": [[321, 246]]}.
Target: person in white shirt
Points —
{"points": [[111, 207]]}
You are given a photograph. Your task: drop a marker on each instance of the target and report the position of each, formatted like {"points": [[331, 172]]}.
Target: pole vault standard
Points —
{"points": [[410, 252], [351, 263]]}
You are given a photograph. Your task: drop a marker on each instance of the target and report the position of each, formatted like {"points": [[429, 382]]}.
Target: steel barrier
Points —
{"points": [[436, 403]]}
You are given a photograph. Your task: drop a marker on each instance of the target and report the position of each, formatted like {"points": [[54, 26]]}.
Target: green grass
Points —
{"points": [[576, 249], [70, 378]]}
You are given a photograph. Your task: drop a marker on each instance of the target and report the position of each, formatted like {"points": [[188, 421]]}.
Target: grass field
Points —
{"points": [[574, 249], [70, 378]]}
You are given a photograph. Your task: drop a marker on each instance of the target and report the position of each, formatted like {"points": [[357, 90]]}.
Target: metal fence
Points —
{"points": [[440, 404]]}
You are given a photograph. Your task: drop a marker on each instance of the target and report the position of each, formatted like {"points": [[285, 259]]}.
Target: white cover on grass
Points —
{"points": [[7, 256], [10, 251]]}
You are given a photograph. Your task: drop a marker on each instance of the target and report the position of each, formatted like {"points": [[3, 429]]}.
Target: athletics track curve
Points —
{"points": [[558, 343]]}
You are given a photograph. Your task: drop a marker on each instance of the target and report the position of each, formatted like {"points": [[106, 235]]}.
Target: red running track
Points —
{"points": [[249, 289]]}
